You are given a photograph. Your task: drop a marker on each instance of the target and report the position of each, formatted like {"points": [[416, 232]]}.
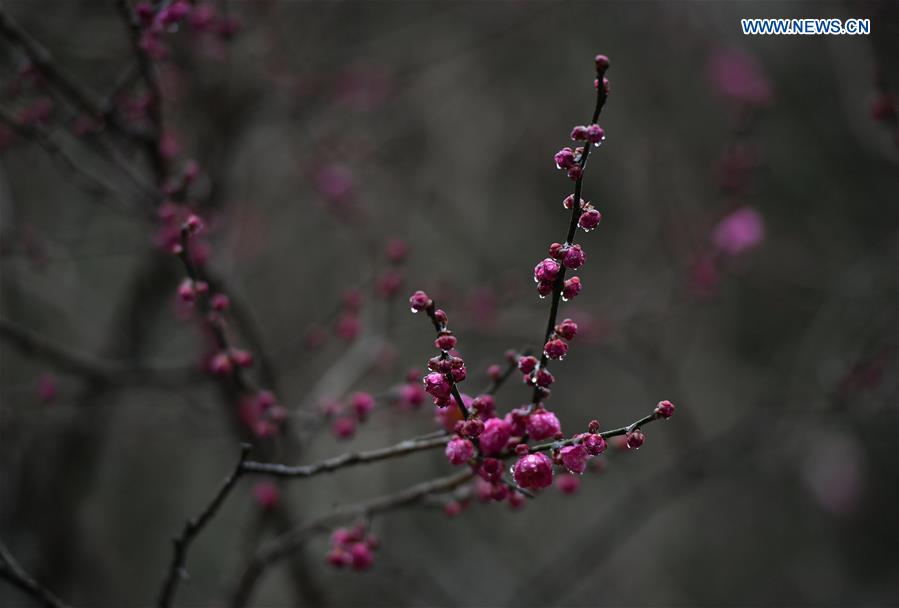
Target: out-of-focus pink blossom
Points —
{"points": [[739, 231], [739, 76]]}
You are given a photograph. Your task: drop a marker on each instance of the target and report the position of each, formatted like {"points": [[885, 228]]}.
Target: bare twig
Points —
{"points": [[282, 546], [87, 366], [192, 528], [12, 572], [347, 460]]}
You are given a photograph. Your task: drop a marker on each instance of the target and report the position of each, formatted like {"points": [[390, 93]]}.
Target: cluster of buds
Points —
{"points": [[549, 271], [224, 362], [391, 279], [349, 322], [200, 17], [173, 219], [448, 368], [262, 414], [534, 373], [345, 415], [589, 217], [352, 547]]}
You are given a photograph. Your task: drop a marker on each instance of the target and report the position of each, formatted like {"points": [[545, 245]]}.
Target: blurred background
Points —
{"points": [[745, 268]]}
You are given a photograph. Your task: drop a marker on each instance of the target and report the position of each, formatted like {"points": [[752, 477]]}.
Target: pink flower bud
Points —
{"points": [[543, 378], [484, 405], [397, 250], [665, 409], [575, 172], [186, 291], [602, 64], [527, 364], [491, 469], [452, 508], [344, 428], [266, 495], [241, 358], [361, 557], [419, 301], [568, 484], [221, 364], [555, 349], [571, 288], [437, 385], [446, 341], [589, 220], [595, 134], [566, 329], [473, 428], [534, 471], [339, 558], [593, 443], [363, 404], [544, 288], [220, 302], [546, 271], [495, 436], [635, 439], [574, 257], [459, 451], [193, 224], [579, 133], [574, 458], [564, 158], [494, 372], [543, 425]]}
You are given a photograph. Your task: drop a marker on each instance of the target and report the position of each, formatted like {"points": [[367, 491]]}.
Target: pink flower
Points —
{"points": [[46, 388], [543, 425], [739, 76], [266, 495], [534, 471], [740, 231], [344, 428], [555, 349], [568, 484], [361, 557], [363, 404], [495, 436], [437, 385], [574, 457], [665, 409], [546, 271], [459, 451]]}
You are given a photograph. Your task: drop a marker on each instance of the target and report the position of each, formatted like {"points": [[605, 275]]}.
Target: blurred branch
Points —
{"points": [[148, 75], [43, 60], [92, 183], [192, 528], [282, 546], [82, 364], [12, 572]]}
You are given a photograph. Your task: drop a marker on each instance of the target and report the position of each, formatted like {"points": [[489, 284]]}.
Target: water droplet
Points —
{"points": [[414, 311], [564, 299], [542, 297]]}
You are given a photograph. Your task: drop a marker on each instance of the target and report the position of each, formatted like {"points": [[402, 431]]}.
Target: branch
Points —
{"points": [[148, 75], [12, 572], [85, 365], [601, 96], [281, 546], [349, 459], [192, 528], [624, 430], [80, 95]]}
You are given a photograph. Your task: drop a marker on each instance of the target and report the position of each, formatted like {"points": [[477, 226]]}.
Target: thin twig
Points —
{"points": [[349, 459], [192, 528], [11, 571], [87, 366], [601, 97], [281, 546]]}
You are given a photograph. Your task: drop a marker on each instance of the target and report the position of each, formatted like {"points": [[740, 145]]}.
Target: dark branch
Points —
{"points": [[192, 528], [12, 572]]}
